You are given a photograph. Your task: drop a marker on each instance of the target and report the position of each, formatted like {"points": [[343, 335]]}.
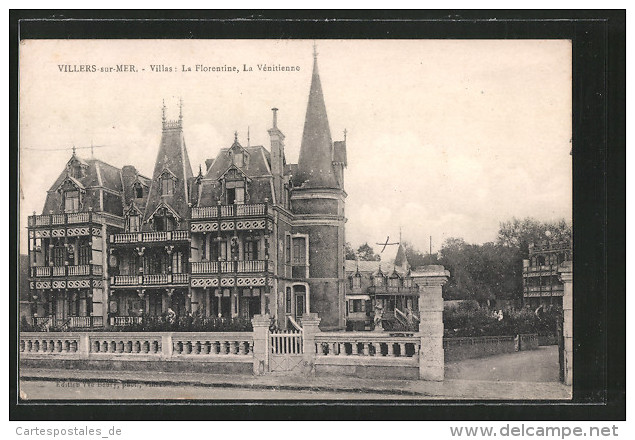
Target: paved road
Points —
{"points": [[539, 365]]}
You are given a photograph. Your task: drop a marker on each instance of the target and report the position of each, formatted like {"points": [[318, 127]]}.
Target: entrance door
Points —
{"points": [[300, 301], [226, 306]]}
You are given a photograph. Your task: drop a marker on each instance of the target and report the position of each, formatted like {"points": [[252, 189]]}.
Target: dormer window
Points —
{"points": [[133, 223], [71, 201], [239, 160], [357, 281], [167, 186], [379, 280], [236, 192], [138, 191]]}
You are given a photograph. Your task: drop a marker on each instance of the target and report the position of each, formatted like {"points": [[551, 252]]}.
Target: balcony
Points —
{"points": [[74, 218], [229, 211], [224, 267], [46, 322], [150, 237], [556, 290], [540, 270], [64, 271], [150, 279], [393, 290]]}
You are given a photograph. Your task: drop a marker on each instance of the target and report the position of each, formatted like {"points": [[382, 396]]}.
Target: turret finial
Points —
{"points": [[163, 111], [236, 136], [345, 131], [315, 52], [180, 108], [73, 150], [248, 140]]}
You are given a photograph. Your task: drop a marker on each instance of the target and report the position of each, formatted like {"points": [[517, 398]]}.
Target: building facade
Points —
{"points": [[251, 234], [388, 286], [541, 284]]}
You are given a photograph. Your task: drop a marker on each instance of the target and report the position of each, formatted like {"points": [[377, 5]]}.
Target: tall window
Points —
{"points": [[239, 159], [288, 300], [133, 223], [71, 201], [251, 250], [84, 253], [288, 249], [163, 223], [58, 255], [177, 262], [357, 282], [393, 282], [299, 250], [167, 186]]}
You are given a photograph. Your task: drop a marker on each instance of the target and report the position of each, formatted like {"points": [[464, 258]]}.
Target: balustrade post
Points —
{"points": [[166, 346], [402, 349], [391, 351], [566, 276], [260, 325], [431, 357], [366, 348], [310, 327]]}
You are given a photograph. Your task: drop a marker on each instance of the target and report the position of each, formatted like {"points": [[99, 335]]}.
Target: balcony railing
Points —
{"points": [[74, 218], [544, 268], [139, 280], [48, 322], [205, 267], [224, 211], [393, 290], [63, 271], [150, 237], [243, 266]]}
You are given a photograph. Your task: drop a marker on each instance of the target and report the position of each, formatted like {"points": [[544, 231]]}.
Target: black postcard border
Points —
{"points": [[599, 153]]}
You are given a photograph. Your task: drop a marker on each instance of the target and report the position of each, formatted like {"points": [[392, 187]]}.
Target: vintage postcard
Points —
{"points": [[291, 219]]}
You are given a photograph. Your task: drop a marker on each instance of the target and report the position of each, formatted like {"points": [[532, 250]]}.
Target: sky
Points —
{"points": [[445, 138]]}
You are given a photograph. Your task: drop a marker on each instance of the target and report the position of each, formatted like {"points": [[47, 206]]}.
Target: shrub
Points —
{"points": [[469, 320]]}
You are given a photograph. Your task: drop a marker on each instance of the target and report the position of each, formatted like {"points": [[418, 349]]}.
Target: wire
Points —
{"points": [[63, 149]]}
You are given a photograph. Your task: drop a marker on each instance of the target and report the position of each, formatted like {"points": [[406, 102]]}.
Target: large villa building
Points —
{"points": [[250, 234]]}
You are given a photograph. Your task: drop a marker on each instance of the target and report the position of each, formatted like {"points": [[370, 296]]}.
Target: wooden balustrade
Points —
{"points": [[149, 237], [59, 271], [205, 267], [224, 211], [75, 218]]}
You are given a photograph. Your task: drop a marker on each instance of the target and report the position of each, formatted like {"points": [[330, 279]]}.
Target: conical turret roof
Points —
{"points": [[315, 165]]}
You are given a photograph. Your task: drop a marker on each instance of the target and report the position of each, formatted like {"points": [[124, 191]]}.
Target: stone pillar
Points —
{"points": [[310, 323], [566, 276], [431, 358], [166, 346], [260, 324], [84, 346]]}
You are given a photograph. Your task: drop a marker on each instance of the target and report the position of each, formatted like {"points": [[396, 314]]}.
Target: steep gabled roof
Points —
{"points": [[256, 169], [172, 156]]}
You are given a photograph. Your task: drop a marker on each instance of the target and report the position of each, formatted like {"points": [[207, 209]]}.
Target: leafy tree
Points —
{"points": [[417, 258], [366, 253], [521, 233], [349, 251]]}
